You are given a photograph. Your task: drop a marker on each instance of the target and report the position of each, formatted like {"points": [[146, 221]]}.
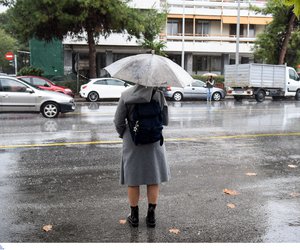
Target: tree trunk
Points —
{"points": [[287, 39], [92, 54]]}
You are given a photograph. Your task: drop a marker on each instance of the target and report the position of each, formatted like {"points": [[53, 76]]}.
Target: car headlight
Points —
{"points": [[68, 90]]}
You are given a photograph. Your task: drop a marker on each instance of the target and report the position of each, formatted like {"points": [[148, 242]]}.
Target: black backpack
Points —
{"points": [[147, 124]]}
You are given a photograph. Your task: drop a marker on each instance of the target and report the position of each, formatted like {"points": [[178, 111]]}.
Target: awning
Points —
{"points": [[246, 20], [227, 19], [195, 16]]}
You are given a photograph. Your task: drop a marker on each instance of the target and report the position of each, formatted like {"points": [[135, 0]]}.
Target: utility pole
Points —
{"points": [[16, 64], [183, 34], [237, 56], [77, 72]]}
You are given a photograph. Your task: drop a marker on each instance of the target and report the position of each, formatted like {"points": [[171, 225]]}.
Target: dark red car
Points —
{"points": [[46, 84]]}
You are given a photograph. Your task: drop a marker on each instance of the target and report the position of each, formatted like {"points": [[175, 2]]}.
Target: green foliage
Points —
{"points": [[6, 25], [30, 71], [69, 81], [156, 46], [7, 3], [293, 53], [295, 4], [7, 43], [153, 22], [268, 44], [50, 19], [33, 17], [219, 80]]}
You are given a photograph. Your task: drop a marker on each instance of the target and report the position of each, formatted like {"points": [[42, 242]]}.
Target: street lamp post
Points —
{"points": [[237, 56], [183, 34]]}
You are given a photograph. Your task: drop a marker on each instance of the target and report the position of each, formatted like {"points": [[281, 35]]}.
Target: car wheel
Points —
{"points": [[297, 96], [260, 96], [93, 96], [50, 110], [177, 96], [216, 96]]}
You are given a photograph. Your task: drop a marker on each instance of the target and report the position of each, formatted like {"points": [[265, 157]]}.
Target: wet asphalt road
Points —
{"points": [[65, 172]]}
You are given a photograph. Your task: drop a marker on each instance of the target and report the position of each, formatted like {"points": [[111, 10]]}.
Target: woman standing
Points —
{"points": [[210, 82], [141, 164]]}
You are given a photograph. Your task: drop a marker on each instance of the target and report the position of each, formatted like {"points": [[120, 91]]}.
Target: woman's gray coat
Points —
{"points": [[142, 164]]}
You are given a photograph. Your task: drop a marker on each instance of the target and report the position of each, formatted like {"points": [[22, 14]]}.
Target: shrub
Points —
{"points": [[69, 81], [30, 71], [219, 80]]}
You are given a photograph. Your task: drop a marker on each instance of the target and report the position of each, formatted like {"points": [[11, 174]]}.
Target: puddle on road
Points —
{"points": [[283, 221], [8, 160]]}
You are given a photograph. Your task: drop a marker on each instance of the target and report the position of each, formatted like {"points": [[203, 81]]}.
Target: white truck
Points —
{"points": [[261, 80]]}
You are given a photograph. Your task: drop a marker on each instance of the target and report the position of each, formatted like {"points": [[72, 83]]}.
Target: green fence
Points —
{"points": [[49, 56]]}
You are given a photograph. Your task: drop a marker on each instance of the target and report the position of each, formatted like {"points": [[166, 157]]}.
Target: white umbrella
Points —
{"points": [[149, 70], [210, 74]]}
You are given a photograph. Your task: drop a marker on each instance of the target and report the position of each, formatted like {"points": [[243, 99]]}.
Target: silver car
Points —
{"points": [[196, 90], [19, 96]]}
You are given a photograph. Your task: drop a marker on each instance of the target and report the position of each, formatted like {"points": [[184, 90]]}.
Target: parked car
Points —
{"points": [[46, 84], [17, 95], [101, 88], [196, 90]]}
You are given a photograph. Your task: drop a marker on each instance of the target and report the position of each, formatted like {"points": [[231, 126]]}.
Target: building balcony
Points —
{"points": [[206, 38]]}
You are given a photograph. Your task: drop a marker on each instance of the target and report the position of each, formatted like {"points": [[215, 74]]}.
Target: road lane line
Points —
{"points": [[241, 136], [46, 132], [59, 144]]}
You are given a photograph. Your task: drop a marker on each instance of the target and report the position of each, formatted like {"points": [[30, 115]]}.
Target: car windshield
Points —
{"points": [[130, 83], [20, 79], [198, 83]]}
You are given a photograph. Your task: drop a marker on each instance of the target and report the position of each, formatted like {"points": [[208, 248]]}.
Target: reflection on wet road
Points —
{"points": [[65, 172]]}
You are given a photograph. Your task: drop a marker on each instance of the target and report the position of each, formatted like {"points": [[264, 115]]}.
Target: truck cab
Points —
{"points": [[293, 82]]}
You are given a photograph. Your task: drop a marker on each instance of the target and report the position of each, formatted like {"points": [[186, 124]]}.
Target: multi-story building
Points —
{"points": [[207, 41]]}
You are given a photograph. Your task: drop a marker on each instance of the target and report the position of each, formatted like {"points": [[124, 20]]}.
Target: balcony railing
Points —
{"points": [[214, 3], [206, 38]]}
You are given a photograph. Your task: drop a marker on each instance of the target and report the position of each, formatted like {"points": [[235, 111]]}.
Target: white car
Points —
{"points": [[101, 88]]}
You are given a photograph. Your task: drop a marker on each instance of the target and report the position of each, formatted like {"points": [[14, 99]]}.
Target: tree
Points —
{"points": [[295, 4], [48, 19], [7, 43], [272, 45], [153, 24]]}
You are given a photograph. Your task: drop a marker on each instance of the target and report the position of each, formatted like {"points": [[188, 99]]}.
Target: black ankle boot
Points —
{"points": [[133, 217], [150, 219]]}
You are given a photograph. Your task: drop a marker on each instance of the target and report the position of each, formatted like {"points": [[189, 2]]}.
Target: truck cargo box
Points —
{"points": [[255, 76]]}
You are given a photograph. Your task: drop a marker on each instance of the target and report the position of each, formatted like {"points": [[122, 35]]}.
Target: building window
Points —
{"points": [[215, 63], [188, 27], [200, 63], [202, 28], [232, 30], [207, 63], [245, 60], [172, 27], [251, 30]]}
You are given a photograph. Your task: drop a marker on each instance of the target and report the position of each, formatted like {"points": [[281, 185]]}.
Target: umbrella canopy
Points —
{"points": [[149, 70], [210, 74]]}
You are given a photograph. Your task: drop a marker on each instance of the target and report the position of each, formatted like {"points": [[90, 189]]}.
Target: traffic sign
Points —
{"points": [[9, 56]]}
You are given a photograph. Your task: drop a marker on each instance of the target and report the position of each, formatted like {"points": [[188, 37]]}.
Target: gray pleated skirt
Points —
{"points": [[143, 164]]}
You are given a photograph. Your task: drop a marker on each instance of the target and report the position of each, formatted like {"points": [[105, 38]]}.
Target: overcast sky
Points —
{"points": [[2, 8]]}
